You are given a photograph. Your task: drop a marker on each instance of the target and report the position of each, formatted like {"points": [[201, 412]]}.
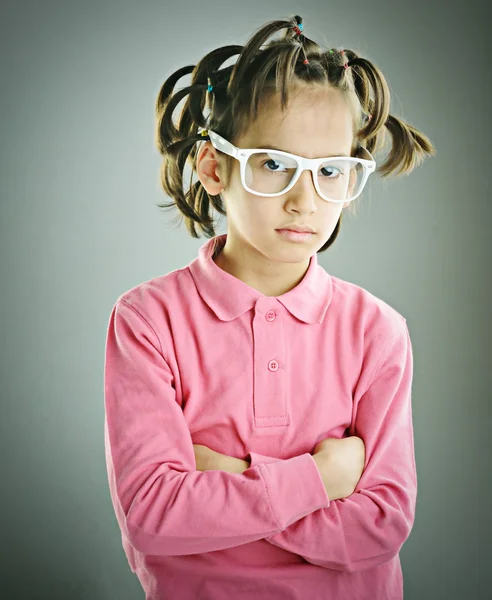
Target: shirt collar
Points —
{"points": [[229, 297]]}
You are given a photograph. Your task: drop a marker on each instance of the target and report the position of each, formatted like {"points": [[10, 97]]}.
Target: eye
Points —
{"points": [[334, 171], [273, 165]]}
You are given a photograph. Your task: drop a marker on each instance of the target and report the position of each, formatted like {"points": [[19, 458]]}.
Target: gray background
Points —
{"points": [[80, 225]]}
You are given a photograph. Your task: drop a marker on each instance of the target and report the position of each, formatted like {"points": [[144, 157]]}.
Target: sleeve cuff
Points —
{"points": [[295, 488], [255, 459]]}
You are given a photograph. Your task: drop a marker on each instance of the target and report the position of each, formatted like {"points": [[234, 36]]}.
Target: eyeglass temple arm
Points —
{"points": [[221, 144]]}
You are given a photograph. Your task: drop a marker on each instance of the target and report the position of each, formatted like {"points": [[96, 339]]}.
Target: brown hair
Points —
{"points": [[237, 93]]}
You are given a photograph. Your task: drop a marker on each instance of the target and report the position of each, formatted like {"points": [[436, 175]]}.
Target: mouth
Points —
{"points": [[295, 236], [298, 228]]}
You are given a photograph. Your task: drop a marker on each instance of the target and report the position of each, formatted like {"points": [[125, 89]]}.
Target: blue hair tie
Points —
{"points": [[210, 88], [298, 28]]}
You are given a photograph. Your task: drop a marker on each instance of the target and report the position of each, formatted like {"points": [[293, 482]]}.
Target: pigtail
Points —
{"points": [[177, 143], [252, 73], [409, 146]]}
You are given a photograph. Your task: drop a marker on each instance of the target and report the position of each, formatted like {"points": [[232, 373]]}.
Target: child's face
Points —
{"points": [[317, 123]]}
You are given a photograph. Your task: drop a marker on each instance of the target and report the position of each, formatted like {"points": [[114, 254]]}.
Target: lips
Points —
{"points": [[297, 229], [295, 236]]}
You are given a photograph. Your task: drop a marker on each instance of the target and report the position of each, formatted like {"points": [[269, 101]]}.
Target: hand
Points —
{"points": [[208, 460], [341, 464]]}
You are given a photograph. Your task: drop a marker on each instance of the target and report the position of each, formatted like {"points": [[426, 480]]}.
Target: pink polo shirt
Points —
{"points": [[197, 356]]}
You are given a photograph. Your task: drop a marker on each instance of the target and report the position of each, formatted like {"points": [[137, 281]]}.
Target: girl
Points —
{"points": [[258, 429]]}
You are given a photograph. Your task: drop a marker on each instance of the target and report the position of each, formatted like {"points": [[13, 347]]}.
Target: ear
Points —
{"points": [[209, 168]]}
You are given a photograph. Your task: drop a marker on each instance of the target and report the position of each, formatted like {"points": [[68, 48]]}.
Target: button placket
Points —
{"points": [[270, 391]]}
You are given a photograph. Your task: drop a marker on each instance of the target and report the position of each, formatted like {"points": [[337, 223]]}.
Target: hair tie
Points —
{"points": [[298, 28], [210, 88]]}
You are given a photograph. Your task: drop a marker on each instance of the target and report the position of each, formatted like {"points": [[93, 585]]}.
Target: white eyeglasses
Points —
{"points": [[267, 172]]}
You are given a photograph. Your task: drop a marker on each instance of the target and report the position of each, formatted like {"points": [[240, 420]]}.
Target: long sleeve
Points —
{"points": [[162, 503], [370, 526]]}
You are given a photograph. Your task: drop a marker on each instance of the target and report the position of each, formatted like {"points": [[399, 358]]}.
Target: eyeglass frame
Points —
{"points": [[304, 164]]}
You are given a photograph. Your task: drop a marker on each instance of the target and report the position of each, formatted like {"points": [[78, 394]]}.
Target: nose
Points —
{"points": [[304, 195]]}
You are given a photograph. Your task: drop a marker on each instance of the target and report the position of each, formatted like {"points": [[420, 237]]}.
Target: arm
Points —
{"points": [[368, 527], [163, 505]]}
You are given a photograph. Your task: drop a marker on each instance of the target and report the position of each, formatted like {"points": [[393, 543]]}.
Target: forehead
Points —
{"points": [[316, 122]]}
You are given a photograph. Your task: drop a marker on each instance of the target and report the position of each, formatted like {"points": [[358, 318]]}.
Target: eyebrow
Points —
{"points": [[273, 147]]}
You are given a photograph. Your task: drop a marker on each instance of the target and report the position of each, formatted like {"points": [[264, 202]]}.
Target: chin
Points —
{"points": [[291, 253]]}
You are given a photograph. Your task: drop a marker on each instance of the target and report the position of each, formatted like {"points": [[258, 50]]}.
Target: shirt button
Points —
{"points": [[270, 316], [273, 365]]}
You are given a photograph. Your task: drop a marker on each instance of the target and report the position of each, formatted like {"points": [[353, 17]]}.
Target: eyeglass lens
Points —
{"points": [[271, 173]]}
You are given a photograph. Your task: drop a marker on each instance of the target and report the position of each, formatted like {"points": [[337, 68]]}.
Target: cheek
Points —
{"points": [[266, 211], [331, 212], [249, 207]]}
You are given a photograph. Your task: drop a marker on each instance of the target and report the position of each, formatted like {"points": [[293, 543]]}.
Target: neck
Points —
{"points": [[268, 277]]}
